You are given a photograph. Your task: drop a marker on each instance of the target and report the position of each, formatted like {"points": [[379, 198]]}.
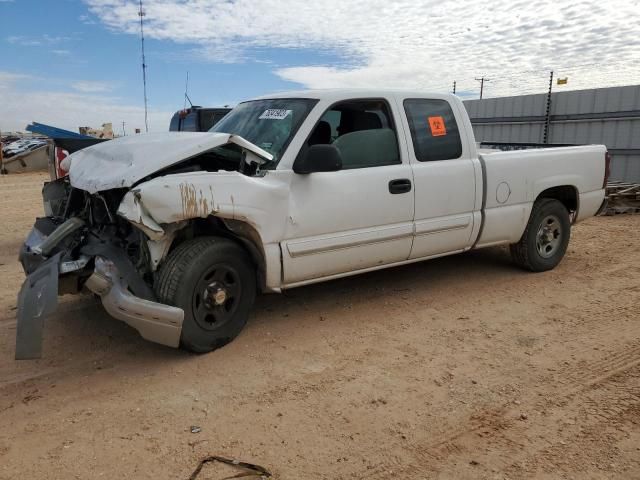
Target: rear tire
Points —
{"points": [[545, 240], [213, 280]]}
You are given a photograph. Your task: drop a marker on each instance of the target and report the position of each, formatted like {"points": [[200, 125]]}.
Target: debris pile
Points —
{"points": [[622, 197]]}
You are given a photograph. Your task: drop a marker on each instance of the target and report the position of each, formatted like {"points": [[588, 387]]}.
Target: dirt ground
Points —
{"points": [[459, 368]]}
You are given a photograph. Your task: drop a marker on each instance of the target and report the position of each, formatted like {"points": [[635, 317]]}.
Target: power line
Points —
{"points": [[539, 76], [581, 76], [141, 14], [533, 82]]}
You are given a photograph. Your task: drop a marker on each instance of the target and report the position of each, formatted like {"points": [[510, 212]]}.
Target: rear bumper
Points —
{"points": [[603, 207], [590, 204], [154, 321]]}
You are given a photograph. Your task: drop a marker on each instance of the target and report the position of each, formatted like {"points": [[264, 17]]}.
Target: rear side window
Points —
{"points": [[434, 130]]}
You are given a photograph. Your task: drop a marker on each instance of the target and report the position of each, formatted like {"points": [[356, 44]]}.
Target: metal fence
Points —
{"points": [[609, 116]]}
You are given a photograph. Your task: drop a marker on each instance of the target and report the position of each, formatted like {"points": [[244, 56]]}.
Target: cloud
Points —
{"points": [[9, 78], [68, 110], [92, 86], [23, 41], [403, 43], [36, 41], [87, 20]]}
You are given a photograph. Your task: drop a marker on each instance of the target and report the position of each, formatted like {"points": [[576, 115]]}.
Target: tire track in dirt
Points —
{"points": [[606, 404], [496, 428], [599, 371], [503, 429]]}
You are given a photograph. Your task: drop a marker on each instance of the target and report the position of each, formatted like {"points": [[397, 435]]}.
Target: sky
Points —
{"points": [[72, 63]]}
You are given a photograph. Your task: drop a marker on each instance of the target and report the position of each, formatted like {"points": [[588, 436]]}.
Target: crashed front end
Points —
{"points": [[83, 244], [99, 236]]}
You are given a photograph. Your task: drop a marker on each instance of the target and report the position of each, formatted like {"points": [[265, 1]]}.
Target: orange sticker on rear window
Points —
{"points": [[437, 126]]}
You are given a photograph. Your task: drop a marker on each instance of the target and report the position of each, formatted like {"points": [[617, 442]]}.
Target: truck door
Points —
{"points": [[357, 218], [445, 177]]}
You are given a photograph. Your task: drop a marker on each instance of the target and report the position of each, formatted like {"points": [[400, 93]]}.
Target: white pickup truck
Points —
{"points": [[177, 232]]}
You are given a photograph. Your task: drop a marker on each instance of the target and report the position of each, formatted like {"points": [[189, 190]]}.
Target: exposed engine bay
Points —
{"points": [[79, 226]]}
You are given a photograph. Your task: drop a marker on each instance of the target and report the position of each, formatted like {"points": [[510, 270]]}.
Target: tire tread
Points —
{"points": [[171, 273]]}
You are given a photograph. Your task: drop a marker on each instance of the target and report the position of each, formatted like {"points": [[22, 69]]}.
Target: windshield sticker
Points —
{"points": [[438, 128], [274, 114]]}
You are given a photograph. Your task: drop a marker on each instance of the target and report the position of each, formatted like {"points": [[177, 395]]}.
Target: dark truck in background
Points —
{"points": [[196, 119]]}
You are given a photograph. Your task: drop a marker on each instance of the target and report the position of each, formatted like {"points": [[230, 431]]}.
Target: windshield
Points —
{"points": [[270, 124]]}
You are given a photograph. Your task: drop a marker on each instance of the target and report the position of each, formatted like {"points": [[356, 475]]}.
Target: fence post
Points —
{"points": [[547, 120]]}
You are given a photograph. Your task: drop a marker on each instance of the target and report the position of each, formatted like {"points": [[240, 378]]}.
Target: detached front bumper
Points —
{"points": [[113, 276], [154, 321]]}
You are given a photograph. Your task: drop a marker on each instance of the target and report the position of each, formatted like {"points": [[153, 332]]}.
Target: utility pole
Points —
{"points": [[547, 120], [141, 14], [482, 80], [454, 87]]}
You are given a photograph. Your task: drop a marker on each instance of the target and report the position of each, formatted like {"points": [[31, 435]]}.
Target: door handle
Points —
{"points": [[401, 185]]}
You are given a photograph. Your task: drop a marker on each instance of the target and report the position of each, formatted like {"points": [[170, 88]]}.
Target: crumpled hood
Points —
{"points": [[121, 162]]}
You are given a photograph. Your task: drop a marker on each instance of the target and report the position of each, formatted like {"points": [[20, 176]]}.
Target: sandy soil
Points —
{"points": [[462, 367]]}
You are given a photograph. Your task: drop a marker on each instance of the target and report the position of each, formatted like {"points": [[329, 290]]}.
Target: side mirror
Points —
{"points": [[318, 158]]}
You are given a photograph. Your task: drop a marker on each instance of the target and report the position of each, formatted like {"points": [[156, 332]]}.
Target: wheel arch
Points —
{"points": [[526, 252], [240, 232], [566, 194]]}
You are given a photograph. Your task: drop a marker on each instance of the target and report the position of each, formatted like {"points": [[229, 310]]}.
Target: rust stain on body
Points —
{"points": [[194, 202]]}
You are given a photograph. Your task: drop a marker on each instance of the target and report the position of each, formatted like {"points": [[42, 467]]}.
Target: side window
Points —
{"points": [[434, 130], [363, 132]]}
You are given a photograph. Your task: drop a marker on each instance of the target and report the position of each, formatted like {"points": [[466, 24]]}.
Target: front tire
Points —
{"points": [[213, 280], [545, 240]]}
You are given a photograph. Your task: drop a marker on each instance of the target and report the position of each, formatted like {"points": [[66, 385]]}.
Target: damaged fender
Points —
{"points": [[256, 201]]}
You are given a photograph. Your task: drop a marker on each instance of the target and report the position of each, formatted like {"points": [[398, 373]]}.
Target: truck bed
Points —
{"points": [[513, 180]]}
